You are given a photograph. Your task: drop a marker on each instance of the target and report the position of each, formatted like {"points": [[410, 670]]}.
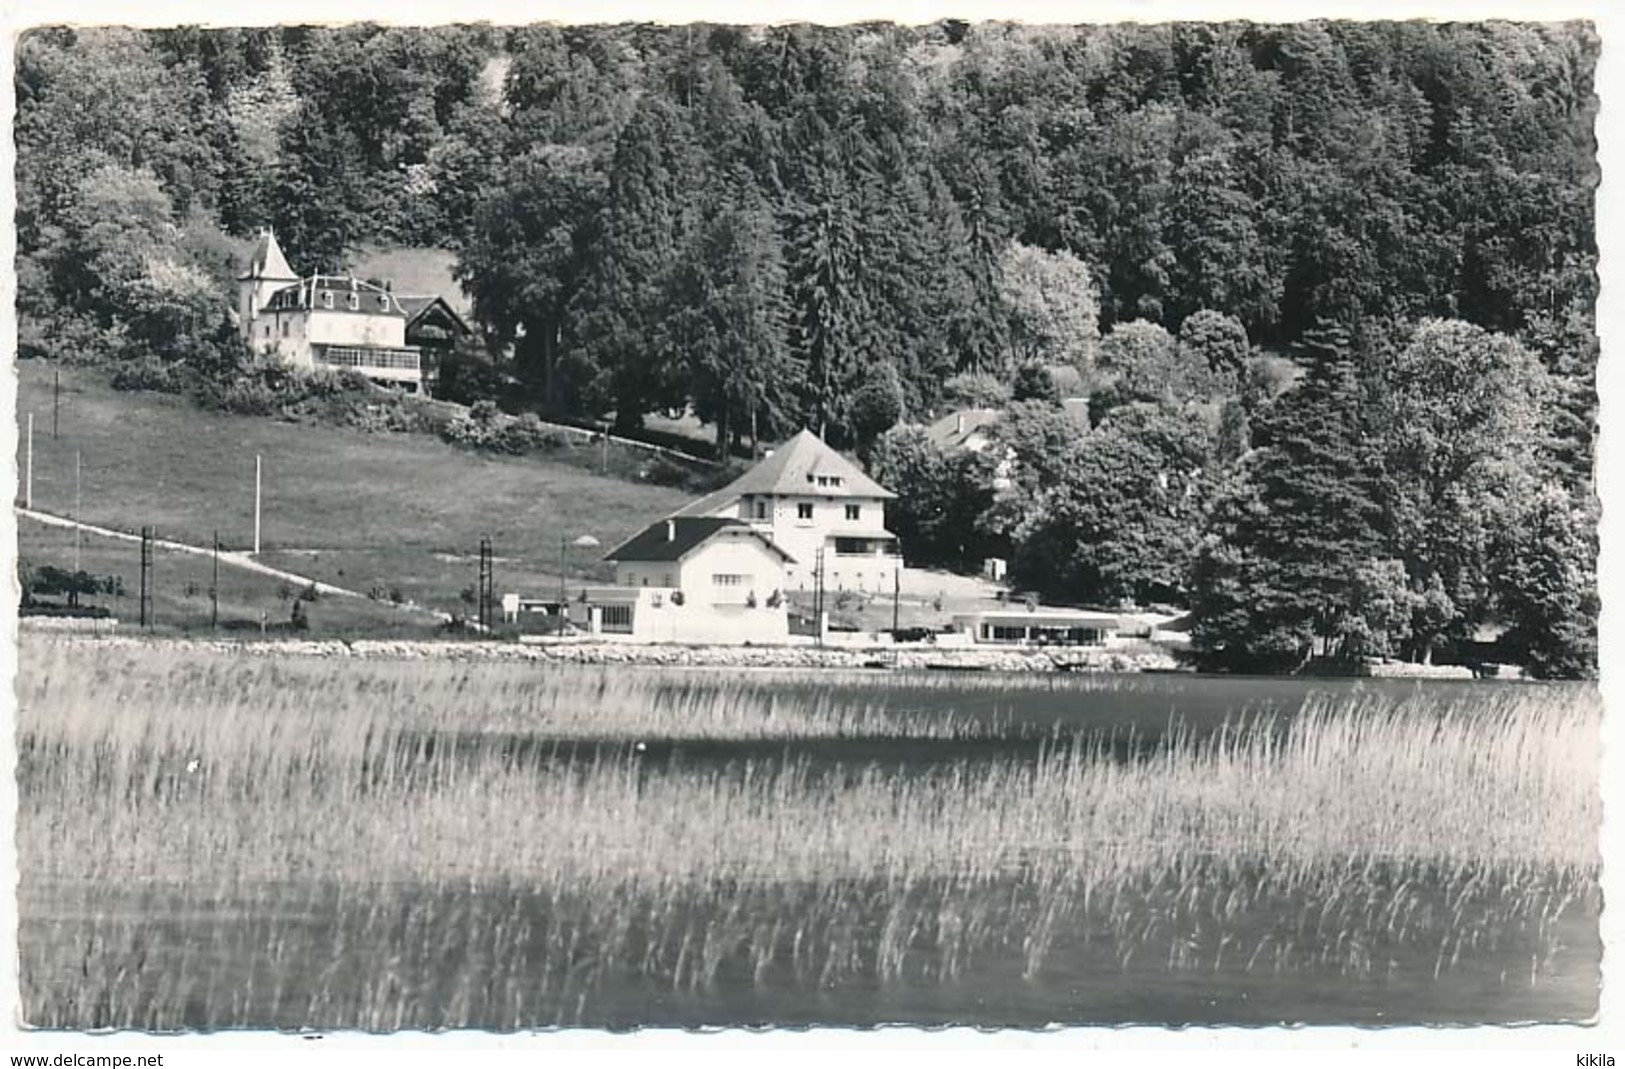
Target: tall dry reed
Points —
{"points": [[301, 811]]}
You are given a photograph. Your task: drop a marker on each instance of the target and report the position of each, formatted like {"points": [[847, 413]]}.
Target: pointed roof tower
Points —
{"points": [[268, 263], [802, 467]]}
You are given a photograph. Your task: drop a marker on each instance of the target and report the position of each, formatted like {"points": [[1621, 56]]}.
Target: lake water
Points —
{"points": [[1154, 956]]}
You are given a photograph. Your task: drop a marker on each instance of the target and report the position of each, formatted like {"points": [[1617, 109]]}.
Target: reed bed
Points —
{"points": [[225, 843]]}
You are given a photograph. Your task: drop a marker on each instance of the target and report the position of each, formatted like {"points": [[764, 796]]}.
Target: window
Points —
{"points": [[383, 301], [646, 580], [665, 580], [355, 301], [615, 618], [327, 299], [761, 510], [631, 579], [853, 512], [804, 510], [267, 330], [828, 480], [284, 328], [727, 579]]}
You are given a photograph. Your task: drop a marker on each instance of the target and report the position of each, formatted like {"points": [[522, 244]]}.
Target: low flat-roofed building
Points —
{"points": [[1039, 627]]}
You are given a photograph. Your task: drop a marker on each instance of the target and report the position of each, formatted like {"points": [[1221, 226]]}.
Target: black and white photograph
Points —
{"points": [[535, 527]]}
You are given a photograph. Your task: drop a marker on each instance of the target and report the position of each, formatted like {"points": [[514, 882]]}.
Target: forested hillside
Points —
{"points": [[1329, 287]]}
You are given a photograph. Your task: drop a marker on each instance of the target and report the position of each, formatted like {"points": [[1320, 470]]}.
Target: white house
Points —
{"points": [[821, 509], [327, 321], [692, 579]]}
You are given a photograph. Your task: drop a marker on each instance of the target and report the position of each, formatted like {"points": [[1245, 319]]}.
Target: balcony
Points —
{"points": [[393, 365], [869, 545]]}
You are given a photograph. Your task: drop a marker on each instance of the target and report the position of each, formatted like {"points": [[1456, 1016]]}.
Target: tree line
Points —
{"points": [[1221, 235]]}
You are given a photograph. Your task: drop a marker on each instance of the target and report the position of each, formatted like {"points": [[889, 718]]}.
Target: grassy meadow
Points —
{"points": [[225, 841], [181, 584], [350, 508]]}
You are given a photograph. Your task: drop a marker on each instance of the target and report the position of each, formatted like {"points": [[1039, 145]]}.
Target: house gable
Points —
{"points": [[802, 467], [672, 540]]}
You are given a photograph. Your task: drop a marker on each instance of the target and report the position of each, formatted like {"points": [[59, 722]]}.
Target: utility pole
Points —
{"points": [[487, 584], [214, 587], [603, 458], [78, 505], [28, 477], [818, 594], [256, 504], [896, 589], [56, 403], [146, 576], [563, 596]]}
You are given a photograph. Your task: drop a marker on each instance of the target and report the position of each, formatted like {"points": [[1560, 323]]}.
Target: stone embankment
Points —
{"points": [[1013, 660]]}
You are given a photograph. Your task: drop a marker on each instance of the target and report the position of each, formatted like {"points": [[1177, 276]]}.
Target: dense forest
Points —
{"points": [[1328, 288]]}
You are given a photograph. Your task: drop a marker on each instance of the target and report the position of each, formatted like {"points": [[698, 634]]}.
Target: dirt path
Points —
{"points": [[235, 559]]}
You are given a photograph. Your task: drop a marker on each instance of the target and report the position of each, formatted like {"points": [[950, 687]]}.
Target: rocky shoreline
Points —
{"points": [[608, 653]]}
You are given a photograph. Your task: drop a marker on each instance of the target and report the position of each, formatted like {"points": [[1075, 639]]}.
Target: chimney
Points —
{"points": [[959, 423], [671, 530]]}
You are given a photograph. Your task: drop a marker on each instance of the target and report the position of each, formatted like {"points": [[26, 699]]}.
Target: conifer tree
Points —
{"points": [[1301, 531]]}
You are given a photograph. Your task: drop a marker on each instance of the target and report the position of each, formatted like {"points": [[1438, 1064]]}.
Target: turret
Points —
{"points": [[268, 271]]}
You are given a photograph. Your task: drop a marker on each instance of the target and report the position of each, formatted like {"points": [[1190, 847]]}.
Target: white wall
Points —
{"points": [[802, 539], [356, 328], [656, 619], [252, 296], [731, 554], [741, 554], [660, 575]]}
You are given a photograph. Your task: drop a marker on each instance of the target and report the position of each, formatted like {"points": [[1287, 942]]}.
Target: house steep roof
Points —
{"points": [[308, 293], [802, 467], [954, 430], [267, 260], [418, 305], [675, 538]]}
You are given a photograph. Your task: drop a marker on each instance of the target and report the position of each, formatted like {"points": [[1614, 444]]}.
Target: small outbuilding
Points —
{"points": [[1039, 627]]}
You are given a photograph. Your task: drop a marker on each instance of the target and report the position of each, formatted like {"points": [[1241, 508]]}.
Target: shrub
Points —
{"points": [[1033, 382], [149, 373], [467, 377], [975, 390], [523, 434]]}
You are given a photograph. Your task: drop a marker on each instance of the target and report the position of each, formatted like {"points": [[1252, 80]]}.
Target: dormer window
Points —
{"points": [[383, 301], [355, 302], [327, 298]]}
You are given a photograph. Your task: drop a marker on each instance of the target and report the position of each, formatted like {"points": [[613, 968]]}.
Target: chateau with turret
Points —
{"points": [[327, 321]]}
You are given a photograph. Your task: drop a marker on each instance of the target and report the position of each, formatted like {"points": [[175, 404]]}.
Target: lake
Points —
{"points": [[270, 842]]}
